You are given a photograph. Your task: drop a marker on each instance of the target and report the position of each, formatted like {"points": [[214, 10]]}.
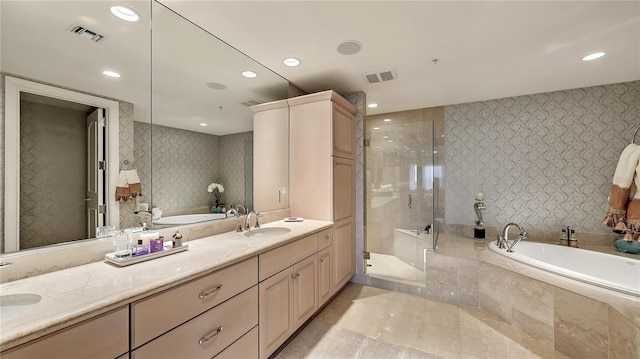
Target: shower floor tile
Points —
{"points": [[386, 265]]}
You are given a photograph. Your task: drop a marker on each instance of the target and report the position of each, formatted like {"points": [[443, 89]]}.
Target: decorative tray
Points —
{"points": [[125, 261]]}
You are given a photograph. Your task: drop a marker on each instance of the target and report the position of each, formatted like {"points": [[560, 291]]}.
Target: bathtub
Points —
{"points": [[188, 218], [617, 273]]}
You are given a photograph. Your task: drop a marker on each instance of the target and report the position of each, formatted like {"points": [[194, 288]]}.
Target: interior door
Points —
{"points": [[95, 171]]}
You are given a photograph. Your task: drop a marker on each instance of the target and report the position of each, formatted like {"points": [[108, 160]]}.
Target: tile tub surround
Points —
{"points": [[533, 301], [99, 287], [39, 261]]}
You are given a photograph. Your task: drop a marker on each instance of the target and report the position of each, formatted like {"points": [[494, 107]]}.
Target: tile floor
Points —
{"points": [[384, 324]]}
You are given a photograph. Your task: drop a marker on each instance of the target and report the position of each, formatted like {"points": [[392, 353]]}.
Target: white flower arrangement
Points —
{"points": [[212, 187]]}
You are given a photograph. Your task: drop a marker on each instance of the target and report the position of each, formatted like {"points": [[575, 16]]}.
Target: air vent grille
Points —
{"points": [[251, 102], [86, 33], [380, 76]]}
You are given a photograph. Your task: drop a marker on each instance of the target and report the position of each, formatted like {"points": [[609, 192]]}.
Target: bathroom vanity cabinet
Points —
{"points": [[322, 132], [295, 282], [271, 155], [204, 316], [108, 335], [245, 308]]}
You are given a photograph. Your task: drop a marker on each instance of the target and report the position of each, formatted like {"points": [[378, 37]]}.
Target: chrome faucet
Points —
{"points": [[238, 206], [247, 223], [235, 213], [503, 240]]}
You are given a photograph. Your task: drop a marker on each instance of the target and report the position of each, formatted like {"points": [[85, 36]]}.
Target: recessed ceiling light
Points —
{"points": [[349, 47], [595, 55], [372, 105], [387, 120], [110, 73], [203, 125], [291, 62], [376, 128], [385, 136], [390, 141], [249, 74], [125, 13]]}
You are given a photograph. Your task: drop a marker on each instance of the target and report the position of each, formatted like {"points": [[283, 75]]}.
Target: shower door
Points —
{"points": [[398, 194]]}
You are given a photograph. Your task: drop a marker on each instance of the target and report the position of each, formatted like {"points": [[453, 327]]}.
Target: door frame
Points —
{"points": [[13, 88]]}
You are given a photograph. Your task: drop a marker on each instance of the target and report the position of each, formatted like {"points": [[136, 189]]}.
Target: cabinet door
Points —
{"points": [[343, 252], [276, 311], [325, 280], [104, 337], [305, 290], [344, 136], [271, 156], [343, 188]]}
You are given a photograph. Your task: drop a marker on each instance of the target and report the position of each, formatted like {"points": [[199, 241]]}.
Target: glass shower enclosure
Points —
{"points": [[399, 195]]}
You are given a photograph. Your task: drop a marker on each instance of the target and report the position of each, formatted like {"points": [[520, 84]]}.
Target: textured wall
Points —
{"points": [[126, 139], [232, 172], [2, 163], [543, 160], [53, 174], [186, 162]]}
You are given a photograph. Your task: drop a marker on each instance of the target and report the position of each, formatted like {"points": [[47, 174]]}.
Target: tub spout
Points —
{"points": [[503, 239]]}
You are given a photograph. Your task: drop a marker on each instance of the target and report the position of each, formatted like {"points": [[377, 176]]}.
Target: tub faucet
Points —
{"points": [[503, 239], [238, 206], [247, 224], [505, 236]]}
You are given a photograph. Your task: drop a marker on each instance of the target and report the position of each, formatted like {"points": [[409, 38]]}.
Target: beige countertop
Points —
{"points": [[72, 295]]}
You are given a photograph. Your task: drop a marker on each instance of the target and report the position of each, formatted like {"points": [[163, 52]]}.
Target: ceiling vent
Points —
{"points": [[380, 76], [86, 33], [251, 102]]}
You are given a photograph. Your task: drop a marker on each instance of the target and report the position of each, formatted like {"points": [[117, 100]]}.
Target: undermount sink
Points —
{"points": [[14, 303], [267, 232]]}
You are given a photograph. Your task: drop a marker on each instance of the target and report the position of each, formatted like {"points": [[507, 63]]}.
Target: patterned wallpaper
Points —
{"points": [[186, 162], [126, 138], [234, 163], [543, 161]]}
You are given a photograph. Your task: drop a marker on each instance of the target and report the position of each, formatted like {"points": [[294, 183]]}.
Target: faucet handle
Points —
{"points": [[258, 215]]}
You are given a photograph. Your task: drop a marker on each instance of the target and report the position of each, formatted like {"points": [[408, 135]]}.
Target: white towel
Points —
{"points": [[123, 193]]}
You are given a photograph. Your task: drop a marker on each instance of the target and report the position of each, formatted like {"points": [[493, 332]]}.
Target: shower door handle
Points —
{"points": [[409, 201]]}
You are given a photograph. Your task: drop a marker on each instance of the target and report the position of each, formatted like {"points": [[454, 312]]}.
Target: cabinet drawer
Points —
{"points": [[245, 347], [155, 315], [102, 337], [280, 258], [325, 238], [222, 326]]}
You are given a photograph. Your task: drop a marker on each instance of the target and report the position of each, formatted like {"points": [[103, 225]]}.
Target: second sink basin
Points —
{"points": [[267, 232], [13, 304]]}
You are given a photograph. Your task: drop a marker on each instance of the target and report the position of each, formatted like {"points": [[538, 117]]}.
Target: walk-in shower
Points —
{"points": [[399, 194]]}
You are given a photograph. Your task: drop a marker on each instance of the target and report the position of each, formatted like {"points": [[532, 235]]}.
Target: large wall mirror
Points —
{"points": [[202, 124], [69, 123], [53, 54]]}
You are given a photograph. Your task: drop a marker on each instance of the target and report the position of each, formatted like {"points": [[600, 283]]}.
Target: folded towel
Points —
{"points": [[128, 185], [624, 202], [134, 183], [122, 187], [625, 246]]}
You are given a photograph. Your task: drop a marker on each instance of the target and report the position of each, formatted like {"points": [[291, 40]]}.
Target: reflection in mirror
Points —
{"points": [[69, 127], [202, 124]]}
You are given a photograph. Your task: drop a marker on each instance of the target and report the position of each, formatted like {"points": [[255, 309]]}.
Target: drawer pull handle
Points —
{"points": [[296, 275], [208, 337], [204, 294], [321, 260]]}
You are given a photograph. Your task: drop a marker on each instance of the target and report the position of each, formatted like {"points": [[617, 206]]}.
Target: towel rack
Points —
{"points": [[633, 139]]}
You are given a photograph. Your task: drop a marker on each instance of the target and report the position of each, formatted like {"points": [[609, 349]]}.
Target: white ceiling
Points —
{"points": [[486, 49]]}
